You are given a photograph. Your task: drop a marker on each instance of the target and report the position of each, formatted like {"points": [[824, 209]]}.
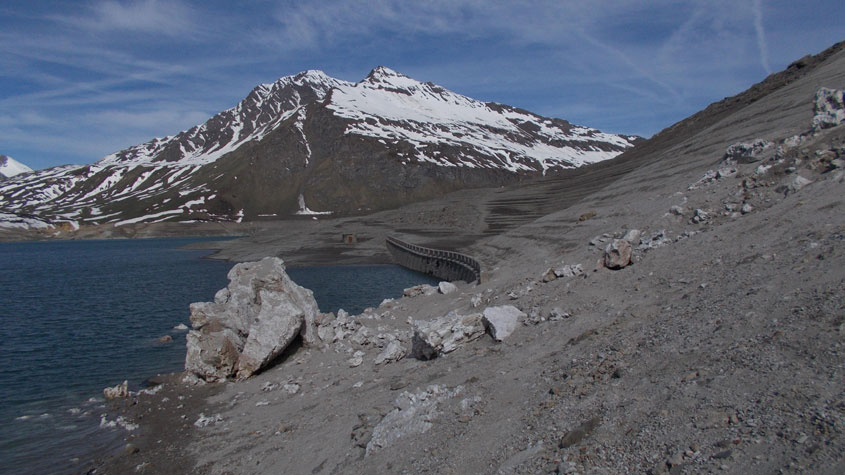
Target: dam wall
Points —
{"points": [[445, 265]]}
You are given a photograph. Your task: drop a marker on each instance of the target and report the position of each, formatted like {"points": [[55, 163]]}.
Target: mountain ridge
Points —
{"points": [[312, 142]]}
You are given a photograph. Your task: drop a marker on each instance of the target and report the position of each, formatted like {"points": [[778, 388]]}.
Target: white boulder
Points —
{"points": [[250, 322], [447, 288], [502, 321]]}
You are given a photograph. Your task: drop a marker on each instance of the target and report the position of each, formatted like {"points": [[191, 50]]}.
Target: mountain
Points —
{"points": [[10, 167], [312, 144]]}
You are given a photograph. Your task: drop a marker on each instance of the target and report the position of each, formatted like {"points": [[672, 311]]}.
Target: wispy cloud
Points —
{"points": [[757, 7], [171, 18], [89, 78]]}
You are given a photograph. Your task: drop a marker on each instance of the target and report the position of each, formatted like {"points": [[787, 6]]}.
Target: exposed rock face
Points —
{"points": [[444, 334], [617, 254], [250, 322], [502, 321]]}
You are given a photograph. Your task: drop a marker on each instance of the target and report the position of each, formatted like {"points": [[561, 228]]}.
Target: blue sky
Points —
{"points": [[82, 79]]}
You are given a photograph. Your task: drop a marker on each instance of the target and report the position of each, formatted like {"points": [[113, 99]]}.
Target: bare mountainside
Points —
{"points": [[683, 313], [309, 144]]}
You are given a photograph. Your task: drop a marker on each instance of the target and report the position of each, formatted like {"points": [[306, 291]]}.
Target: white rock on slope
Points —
{"points": [[250, 322], [445, 334], [502, 321], [828, 108]]}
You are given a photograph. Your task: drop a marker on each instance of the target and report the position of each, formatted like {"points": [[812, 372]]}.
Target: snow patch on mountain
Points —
{"points": [[10, 167], [391, 106]]}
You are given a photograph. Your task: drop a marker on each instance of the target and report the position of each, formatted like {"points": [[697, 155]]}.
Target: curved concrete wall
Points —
{"points": [[445, 265]]}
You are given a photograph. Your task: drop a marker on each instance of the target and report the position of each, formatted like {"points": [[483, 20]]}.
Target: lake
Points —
{"points": [[78, 316]]}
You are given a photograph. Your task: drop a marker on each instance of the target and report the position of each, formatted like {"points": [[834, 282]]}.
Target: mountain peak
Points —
{"points": [[10, 167]]}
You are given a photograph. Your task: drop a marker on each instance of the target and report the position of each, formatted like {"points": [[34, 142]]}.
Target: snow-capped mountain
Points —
{"points": [[312, 144], [10, 167]]}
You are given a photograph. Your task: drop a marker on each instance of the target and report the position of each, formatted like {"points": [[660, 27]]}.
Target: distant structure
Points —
{"points": [[445, 265]]}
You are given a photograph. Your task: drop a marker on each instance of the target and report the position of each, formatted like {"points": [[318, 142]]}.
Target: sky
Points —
{"points": [[82, 79]]}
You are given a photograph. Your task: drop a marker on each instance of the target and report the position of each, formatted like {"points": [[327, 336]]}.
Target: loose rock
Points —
{"points": [[502, 321], [617, 254]]}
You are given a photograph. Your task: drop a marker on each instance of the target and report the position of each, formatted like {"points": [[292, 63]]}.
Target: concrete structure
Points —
{"points": [[445, 265]]}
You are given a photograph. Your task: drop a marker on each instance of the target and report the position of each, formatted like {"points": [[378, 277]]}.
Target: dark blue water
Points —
{"points": [[78, 316]]}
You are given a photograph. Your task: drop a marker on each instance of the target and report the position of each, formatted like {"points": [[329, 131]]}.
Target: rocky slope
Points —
{"points": [[688, 317], [310, 144]]}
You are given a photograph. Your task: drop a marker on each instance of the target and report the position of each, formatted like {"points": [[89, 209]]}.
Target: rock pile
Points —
{"points": [[445, 334], [828, 108], [249, 323]]}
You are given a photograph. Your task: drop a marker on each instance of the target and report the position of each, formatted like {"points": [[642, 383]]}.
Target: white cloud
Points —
{"points": [[172, 18]]}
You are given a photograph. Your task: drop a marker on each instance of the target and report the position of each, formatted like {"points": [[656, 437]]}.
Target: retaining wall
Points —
{"points": [[445, 265]]}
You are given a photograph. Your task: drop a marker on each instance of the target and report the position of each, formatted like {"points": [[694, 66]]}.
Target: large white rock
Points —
{"points": [[447, 288], [250, 322], [502, 321]]}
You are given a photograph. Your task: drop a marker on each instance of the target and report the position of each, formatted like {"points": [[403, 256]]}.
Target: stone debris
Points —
{"points": [[654, 241], [558, 314], [250, 322], [632, 236], [617, 254], [677, 210], [567, 270], [447, 288], [291, 388], [181, 327], [356, 360], [204, 421], [500, 322], [413, 413], [700, 216], [120, 421], [828, 108], [119, 391], [417, 290], [445, 334], [165, 339], [749, 152], [711, 176], [392, 352], [797, 183]]}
